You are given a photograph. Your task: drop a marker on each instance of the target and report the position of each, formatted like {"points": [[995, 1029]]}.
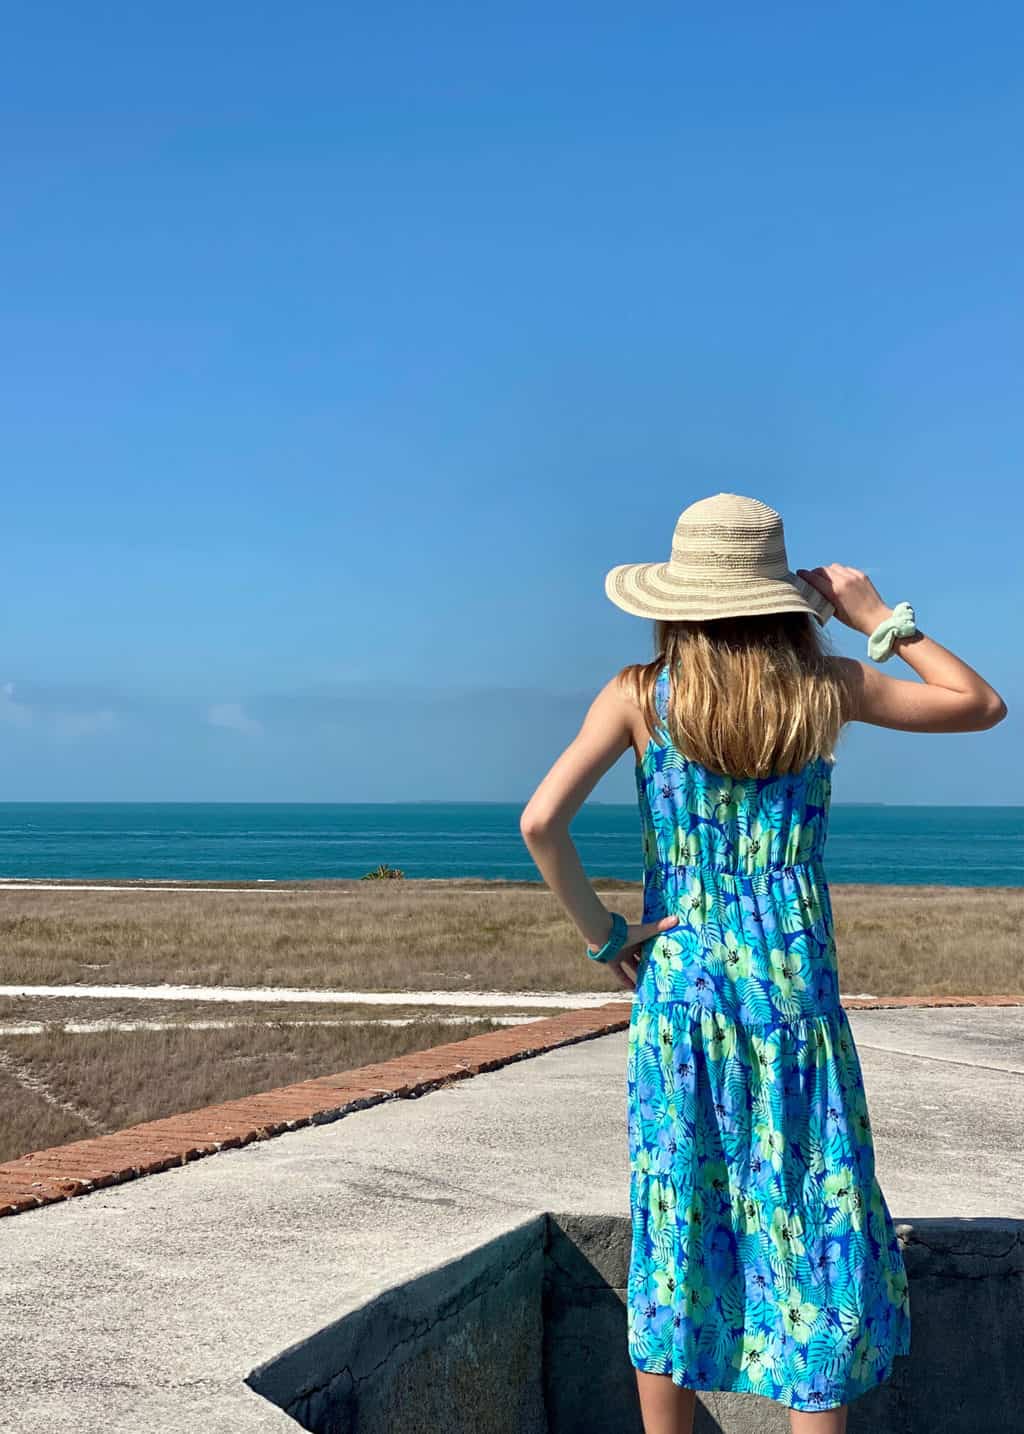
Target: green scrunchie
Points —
{"points": [[899, 623]]}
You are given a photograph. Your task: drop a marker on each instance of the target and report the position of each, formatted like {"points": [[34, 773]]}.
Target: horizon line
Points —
{"points": [[406, 802]]}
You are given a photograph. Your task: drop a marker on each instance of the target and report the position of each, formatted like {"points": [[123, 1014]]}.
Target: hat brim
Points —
{"points": [[644, 590]]}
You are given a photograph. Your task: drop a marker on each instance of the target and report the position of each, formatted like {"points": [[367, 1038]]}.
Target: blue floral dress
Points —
{"points": [[764, 1257]]}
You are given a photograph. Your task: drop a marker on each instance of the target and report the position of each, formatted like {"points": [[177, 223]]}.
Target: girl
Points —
{"points": [[764, 1257]]}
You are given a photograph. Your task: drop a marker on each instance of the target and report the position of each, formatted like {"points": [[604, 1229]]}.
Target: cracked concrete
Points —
{"points": [[144, 1307]]}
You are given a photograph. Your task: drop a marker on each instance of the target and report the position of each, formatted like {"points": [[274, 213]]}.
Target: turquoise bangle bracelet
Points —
{"points": [[899, 623], [615, 942]]}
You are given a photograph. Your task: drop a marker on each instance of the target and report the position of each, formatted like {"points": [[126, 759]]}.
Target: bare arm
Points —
{"points": [[953, 697], [544, 823]]}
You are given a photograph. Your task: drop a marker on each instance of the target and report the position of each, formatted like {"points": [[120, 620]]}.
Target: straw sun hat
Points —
{"points": [[728, 559]]}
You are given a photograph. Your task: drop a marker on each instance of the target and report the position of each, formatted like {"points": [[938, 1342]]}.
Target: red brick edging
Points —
{"points": [[63, 1171], [46, 1176]]}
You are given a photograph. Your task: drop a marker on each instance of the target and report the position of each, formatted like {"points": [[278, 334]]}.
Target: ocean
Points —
{"points": [[955, 846]]}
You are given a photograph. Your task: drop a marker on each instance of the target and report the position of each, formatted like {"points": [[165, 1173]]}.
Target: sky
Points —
{"points": [[346, 348]]}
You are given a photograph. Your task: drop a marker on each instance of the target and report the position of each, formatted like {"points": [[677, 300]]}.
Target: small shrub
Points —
{"points": [[383, 873]]}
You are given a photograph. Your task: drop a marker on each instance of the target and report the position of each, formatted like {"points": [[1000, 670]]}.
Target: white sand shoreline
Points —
{"points": [[289, 994], [577, 1000], [89, 1028]]}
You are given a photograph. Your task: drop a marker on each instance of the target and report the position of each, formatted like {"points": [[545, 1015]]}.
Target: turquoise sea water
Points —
{"points": [[959, 846]]}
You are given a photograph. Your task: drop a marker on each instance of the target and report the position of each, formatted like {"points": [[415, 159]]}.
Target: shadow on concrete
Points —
{"points": [[588, 1383], [526, 1334]]}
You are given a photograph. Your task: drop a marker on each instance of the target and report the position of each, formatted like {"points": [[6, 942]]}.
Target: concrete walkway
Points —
{"points": [[143, 1306]]}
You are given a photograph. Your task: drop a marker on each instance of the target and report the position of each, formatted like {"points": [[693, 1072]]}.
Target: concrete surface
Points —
{"points": [[143, 1307]]}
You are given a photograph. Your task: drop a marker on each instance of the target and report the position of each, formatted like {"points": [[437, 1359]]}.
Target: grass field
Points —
{"points": [[408, 936], [398, 936]]}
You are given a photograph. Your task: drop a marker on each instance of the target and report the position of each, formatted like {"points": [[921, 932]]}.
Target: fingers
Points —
{"points": [[851, 592], [627, 966], [639, 935], [835, 582], [625, 971], [819, 578], [833, 570]]}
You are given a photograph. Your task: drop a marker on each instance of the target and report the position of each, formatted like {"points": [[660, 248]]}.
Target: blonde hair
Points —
{"points": [[752, 697]]}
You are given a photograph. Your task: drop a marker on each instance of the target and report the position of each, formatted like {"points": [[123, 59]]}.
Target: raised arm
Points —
{"points": [[952, 697]]}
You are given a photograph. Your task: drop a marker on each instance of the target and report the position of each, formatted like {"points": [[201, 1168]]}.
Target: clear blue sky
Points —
{"points": [[346, 347]]}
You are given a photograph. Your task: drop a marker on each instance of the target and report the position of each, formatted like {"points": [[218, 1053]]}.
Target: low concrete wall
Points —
{"points": [[527, 1335], [964, 1373], [457, 1350]]}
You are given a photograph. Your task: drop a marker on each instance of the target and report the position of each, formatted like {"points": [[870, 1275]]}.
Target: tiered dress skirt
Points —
{"points": [[764, 1257]]}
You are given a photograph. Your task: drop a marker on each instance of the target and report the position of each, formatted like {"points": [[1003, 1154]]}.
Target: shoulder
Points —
{"points": [[617, 708], [620, 694], [621, 687], [640, 691]]}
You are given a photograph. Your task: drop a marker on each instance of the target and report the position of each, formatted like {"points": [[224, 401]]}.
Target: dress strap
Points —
{"points": [[661, 696]]}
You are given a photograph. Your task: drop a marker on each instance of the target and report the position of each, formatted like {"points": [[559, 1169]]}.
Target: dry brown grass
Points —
{"points": [[395, 936], [382, 937], [929, 940], [392, 936], [59, 1087]]}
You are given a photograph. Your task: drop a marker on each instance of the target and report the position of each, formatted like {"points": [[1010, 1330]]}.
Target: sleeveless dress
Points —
{"points": [[764, 1257]]}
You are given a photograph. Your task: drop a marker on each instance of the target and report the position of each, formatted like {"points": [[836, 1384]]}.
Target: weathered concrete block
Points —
{"points": [[963, 1374], [458, 1350], [527, 1335]]}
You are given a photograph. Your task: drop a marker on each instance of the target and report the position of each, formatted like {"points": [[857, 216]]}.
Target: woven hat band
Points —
{"points": [[764, 560], [674, 576]]}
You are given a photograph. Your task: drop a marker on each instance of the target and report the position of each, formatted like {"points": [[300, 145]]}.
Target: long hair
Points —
{"points": [[749, 696]]}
